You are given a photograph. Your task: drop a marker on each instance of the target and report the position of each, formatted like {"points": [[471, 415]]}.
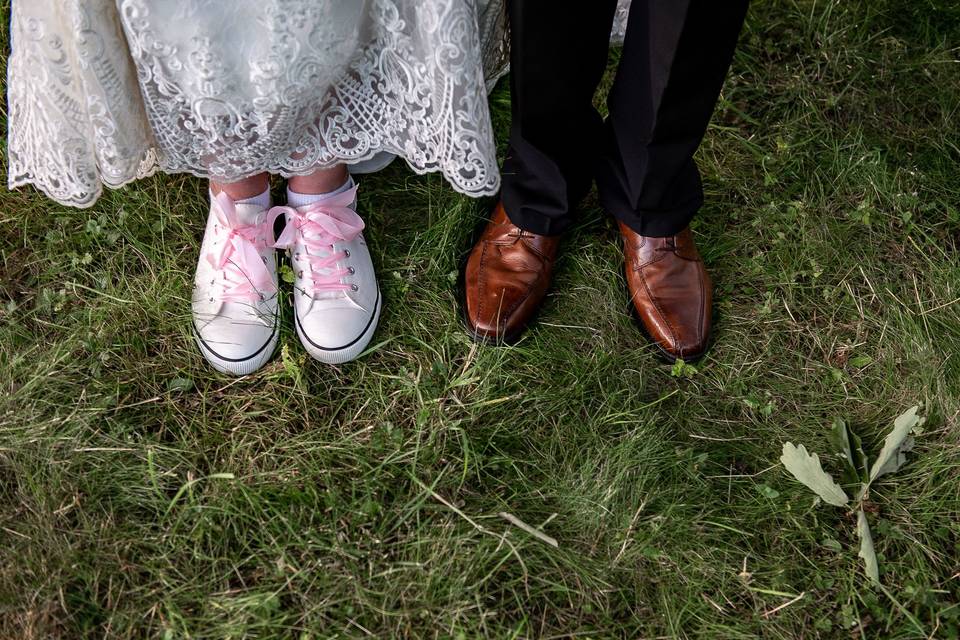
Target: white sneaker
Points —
{"points": [[336, 299], [235, 317]]}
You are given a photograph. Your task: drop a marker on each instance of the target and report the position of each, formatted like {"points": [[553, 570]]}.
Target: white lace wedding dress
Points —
{"points": [[109, 91]]}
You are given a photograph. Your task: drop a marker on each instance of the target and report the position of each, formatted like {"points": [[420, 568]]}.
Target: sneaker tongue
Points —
{"points": [[249, 214], [331, 294]]}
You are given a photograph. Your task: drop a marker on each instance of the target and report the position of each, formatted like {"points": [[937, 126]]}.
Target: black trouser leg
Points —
{"points": [[557, 58], [675, 57]]}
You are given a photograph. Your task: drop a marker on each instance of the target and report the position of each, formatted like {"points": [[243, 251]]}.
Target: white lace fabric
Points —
{"points": [[109, 91], [103, 92]]}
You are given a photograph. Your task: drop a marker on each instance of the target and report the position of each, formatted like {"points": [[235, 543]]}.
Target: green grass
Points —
{"points": [[363, 500]]}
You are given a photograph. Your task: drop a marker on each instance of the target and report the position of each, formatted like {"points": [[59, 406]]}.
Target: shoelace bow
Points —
{"points": [[245, 276], [319, 225]]}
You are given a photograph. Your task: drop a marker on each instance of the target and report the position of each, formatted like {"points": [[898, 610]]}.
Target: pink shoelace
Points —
{"points": [[320, 224], [245, 276]]}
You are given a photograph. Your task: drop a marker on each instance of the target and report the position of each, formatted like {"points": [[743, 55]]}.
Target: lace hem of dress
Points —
{"points": [[108, 92], [85, 199]]}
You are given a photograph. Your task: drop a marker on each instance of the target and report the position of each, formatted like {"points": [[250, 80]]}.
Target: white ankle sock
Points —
{"points": [[295, 199], [262, 200]]}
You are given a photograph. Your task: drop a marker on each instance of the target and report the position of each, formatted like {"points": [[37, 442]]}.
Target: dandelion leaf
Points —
{"points": [[806, 468], [897, 442], [867, 551]]}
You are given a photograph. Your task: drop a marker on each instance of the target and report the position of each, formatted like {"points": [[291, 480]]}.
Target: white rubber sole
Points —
{"points": [[348, 352], [243, 366]]}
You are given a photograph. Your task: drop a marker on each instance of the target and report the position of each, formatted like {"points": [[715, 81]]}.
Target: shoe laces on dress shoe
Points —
{"points": [[670, 244]]}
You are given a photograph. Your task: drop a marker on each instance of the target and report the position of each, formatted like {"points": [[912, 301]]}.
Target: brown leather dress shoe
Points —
{"points": [[506, 278], [671, 292]]}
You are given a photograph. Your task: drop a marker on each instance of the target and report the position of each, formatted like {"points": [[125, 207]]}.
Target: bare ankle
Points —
{"points": [[242, 189], [320, 181]]}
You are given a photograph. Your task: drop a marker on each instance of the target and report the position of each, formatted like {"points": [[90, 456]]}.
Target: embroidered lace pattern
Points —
{"points": [[109, 91]]}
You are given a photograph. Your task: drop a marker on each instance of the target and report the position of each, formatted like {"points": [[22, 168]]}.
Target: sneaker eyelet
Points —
{"points": [[346, 253], [300, 273], [351, 270], [355, 287]]}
